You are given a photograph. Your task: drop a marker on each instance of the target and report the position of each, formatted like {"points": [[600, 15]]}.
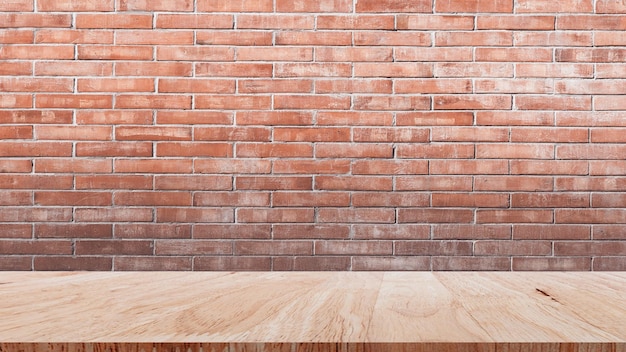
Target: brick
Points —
{"points": [[16, 263], [75, 5], [354, 118], [514, 118], [513, 183], [610, 6], [560, 70], [148, 231], [22, 84], [113, 149], [15, 68], [342, 150], [110, 52], [21, 247], [433, 183], [283, 22], [610, 38], [468, 167], [235, 6], [516, 22], [430, 248], [597, 55], [15, 166], [395, 38], [352, 22], [434, 22], [243, 199], [195, 215], [191, 149], [582, 22], [549, 200], [233, 263], [153, 263], [273, 183], [513, 54], [514, 86], [17, 5], [113, 215], [465, 134], [132, 182], [313, 70], [239, 37], [606, 167], [315, 263], [482, 69], [327, 102], [193, 53], [430, 86], [351, 216], [115, 85], [273, 247], [607, 200], [482, 102], [234, 70], [592, 119], [439, 118], [353, 54], [232, 231], [152, 133], [35, 20], [35, 149], [73, 68], [305, 231], [155, 5], [551, 232], [551, 264], [318, 6], [586, 216], [311, 166], [400, 70], [125, 198], [354, 86], [435, 151], [195, 182], [391, 231], [156, 101], [73, 101], [16, 198], [515, 151], [399, 103], [334, 247], [590, 151], [466, 38], [474, 6], [312, 38], [590, 184], [177, 69], [69, 263], [434, 215], [305, 134], [607, 232], [514, 248], [230, 166], [608, 102], [153, 166], [74, 36], [470, 200], [272, 86], [546, 6], [195, 247], [157, 38], [552, 39], [394, 167], [387, 199], [16, 132], [73, 198], [39, 214], [352, 183], [471, 232], [185, 117], [390, 263], [194, 21], [549, 167], [609, 264], [113, 247], [16, 101], [11, 231], [514, 216], [275, 215], [549, 135], [73, 165], [73, 231], [114, 21], [38, 52], [232, 134]]}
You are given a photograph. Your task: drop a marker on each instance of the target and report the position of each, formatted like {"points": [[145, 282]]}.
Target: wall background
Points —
{"points": [[312, 135]]}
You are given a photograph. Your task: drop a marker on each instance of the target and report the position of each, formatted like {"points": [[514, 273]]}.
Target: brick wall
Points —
{"points": [[325, 135]]}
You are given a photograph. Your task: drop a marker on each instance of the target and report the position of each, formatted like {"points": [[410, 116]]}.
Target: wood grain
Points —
{"points": [[313, 311]]}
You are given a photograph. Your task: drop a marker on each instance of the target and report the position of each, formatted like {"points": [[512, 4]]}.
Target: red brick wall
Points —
{"points": [[326, 135]]}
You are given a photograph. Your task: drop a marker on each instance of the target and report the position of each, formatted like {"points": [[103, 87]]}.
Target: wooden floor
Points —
{"points": [[313, 311]]}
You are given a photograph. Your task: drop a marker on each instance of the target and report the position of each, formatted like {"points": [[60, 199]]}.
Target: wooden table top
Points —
{"points": [[320, 307]]}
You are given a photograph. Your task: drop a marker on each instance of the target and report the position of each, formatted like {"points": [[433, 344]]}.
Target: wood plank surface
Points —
{"points": [[313, 311]]}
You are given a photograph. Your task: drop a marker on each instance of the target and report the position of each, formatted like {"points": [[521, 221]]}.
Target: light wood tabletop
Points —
{"points": [[293, 311]]}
